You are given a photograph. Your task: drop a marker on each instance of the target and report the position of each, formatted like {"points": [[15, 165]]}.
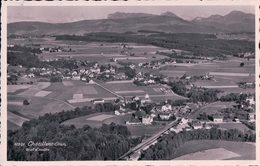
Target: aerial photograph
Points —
{"points": [[131, 83]]}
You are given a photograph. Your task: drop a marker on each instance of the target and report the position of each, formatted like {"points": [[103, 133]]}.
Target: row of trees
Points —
{"points": [[108, 142], [234, 97], [167, 147]]}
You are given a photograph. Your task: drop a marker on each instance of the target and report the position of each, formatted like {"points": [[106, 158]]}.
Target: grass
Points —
{"points": [[212, 108], [144, 130], [64, 93], [172, 73], [228, 66], [12, 126], [93, 120], [14, 88], [94, 51], [245, 150], [88, 120], [38, 106], [152, 90], [16, 119], [101, 117], [238, 126], [42, 93]]}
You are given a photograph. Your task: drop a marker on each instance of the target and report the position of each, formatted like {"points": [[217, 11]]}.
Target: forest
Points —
{"points": [[195, 94], [167, 147], [108, 142], [25, 56]]}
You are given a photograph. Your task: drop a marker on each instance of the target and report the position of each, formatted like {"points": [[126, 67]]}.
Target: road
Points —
{"points": [[150, 140]]}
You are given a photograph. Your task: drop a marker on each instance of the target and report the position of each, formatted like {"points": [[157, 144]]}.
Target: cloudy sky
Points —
{"points": [[57, 14]]}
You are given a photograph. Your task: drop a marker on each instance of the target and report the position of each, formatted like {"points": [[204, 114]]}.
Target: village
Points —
{"points": [[152, 91]]}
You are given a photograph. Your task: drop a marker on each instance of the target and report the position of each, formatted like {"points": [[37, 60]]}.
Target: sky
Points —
{"points": [[58, 14]]}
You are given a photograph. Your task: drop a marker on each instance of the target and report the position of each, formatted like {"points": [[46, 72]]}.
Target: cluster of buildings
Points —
{"points": [[104, 72], [145, 79]]}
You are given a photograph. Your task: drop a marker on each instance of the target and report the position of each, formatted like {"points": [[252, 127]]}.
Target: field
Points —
{"points": [[215, 149], [15, 119], [144, 130], [101, 117], [238, 126], [212, 108], [93, 51], [45, 97], [129, 89], [87, 92], [14, 88], [38, 106], [12, 126], [97, 119], [226, 74]]}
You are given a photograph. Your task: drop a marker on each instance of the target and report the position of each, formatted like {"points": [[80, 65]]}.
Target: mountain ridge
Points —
{"points": [[235, 21]]}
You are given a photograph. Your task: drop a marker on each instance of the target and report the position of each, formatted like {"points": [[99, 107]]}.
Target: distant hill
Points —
{"points": [[235, 21], [120, 15], [125, 22]]}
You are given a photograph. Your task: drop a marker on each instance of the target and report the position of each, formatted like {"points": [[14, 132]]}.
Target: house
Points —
{"points": [[166, 108], [77, 77], [91, 75], [91, 82], [107, 71], [83, 78], [217, 118], [146, 99], [250, 100], [120, 76], [197, 125], [164, 116], [133, 122], [150, 81], [136, 98], [74, 73], [31, 75], [251, 116], [97, 101], [82, 71], [147, 119], [207, 126], [185, 109], [113, 70], [132, 66], [120, 112]]}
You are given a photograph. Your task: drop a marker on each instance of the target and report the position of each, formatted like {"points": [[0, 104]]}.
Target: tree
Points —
{"points": [[242, 64], [26, 102]]}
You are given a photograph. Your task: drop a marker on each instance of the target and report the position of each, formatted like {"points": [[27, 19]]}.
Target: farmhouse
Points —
{"points": [[251, 100], [197, 125], [217, 118], [146, 99], [77, 77], [207, 126], [133, 122], [165, 116], [97, 101], [167, 108], [147, 119], [120, 76], [251, 116]]}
